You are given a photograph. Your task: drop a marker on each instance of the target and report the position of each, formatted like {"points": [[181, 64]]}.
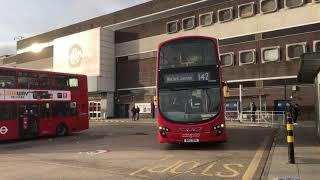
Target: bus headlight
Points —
{"points": [[218, 128], [163, 131], [161, 128]]}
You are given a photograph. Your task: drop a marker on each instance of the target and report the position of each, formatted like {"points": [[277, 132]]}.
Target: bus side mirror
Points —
{"points": [[226, 92]]}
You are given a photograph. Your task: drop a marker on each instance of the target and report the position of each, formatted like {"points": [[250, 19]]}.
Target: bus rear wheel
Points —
{"points": [[61, 130]]}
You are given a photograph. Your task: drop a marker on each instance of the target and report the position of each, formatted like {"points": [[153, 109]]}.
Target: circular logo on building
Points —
{"points": [[3, 130], [75, 55]]}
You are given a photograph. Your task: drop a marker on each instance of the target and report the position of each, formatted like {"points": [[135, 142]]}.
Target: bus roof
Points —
{"points": [[187, 37]]}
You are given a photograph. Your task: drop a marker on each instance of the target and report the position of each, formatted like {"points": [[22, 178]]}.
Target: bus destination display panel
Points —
{"points": [[188, 77]]}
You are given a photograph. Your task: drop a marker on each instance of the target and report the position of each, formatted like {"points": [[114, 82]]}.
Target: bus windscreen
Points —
{"points": [[188, 52], [190, 105]]}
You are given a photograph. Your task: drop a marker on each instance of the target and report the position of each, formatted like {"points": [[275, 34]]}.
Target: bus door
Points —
{"points": [[28, 120]]}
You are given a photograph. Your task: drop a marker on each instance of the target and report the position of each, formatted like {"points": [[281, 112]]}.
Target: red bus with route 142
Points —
{"points": [[190, 91], [40, 103]]}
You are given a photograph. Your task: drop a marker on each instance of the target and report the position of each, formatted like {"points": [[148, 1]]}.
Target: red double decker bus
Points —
{"points": [[40, 103], [190, 91]]}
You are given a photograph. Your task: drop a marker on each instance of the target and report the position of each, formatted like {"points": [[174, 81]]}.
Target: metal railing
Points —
{"points": [[232, 116], [257, 117]]}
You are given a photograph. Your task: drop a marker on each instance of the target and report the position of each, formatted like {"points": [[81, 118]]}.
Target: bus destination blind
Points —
{"points": [[187, 77]]}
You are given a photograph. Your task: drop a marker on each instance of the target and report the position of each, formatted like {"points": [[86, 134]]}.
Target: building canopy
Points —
{"points": [[309, 67]]}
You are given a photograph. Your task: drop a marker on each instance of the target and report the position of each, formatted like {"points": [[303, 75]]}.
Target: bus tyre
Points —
{"points": [[61, 130]]}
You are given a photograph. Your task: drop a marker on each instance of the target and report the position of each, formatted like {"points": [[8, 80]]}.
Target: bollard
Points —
{"points": [[290, 139]]}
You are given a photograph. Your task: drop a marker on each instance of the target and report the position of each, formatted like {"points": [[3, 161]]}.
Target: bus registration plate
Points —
{"points": [[190, 140]]}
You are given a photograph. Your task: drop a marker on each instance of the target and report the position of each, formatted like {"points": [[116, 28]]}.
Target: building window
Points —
{"points": [[294, 51], [172, 27], [270, 54], [188, 23], [268, 6], [206, 19], [316, 46], [247, 57], [225, 15], [293, 3], [227, 59], [246, 10]]}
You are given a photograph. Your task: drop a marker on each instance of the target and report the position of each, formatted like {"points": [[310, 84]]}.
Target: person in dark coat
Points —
{"points": [[295, 113], [134, 112], [253, 111], [138, 112]]}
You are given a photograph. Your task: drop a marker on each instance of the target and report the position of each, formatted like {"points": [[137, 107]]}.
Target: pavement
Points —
{"points": [[307, 155]]}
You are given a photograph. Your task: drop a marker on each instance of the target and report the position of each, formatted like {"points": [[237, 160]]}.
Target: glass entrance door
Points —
{"points": [[95, 109]]}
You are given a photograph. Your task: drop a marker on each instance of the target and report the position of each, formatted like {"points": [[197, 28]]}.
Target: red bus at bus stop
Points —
{"points": [[190, 91], [40, 103]]}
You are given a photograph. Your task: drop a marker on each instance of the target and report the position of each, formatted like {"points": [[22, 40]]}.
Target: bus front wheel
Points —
{"points": [[61, 130]]}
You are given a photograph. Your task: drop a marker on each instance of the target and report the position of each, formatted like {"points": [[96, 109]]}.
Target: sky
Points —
{"points": [[27, 18]]}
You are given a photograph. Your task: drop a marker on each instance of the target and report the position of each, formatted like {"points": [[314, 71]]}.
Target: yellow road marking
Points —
{"points": [[234, 173], [205, 172], [158, 169], [252, 168], [139, 170], [146, 167], [174, 170]]}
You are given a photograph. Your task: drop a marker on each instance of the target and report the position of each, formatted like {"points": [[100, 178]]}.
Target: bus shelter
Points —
{"points": [[309, 72]]}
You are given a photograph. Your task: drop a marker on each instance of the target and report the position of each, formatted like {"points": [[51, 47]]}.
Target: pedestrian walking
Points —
{"points": [[138, 112], [253, 111], [133, 111], [295, 113]]}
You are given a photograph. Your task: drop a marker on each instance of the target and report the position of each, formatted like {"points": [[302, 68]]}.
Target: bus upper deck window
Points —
{"points": [[60, 82], [7, 82]]}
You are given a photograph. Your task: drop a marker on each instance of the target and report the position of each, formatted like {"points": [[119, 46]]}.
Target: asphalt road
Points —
{"points": [[131, 151]]}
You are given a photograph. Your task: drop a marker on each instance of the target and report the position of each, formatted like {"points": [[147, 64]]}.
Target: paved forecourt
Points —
{"points": [[131, 151]]}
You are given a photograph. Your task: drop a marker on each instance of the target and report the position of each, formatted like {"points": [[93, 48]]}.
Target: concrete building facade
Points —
{"points": [[260, 45]]}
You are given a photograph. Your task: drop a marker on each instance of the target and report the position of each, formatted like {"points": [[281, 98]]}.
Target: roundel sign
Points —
{"points": [[75, 55], [3, 130]]}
